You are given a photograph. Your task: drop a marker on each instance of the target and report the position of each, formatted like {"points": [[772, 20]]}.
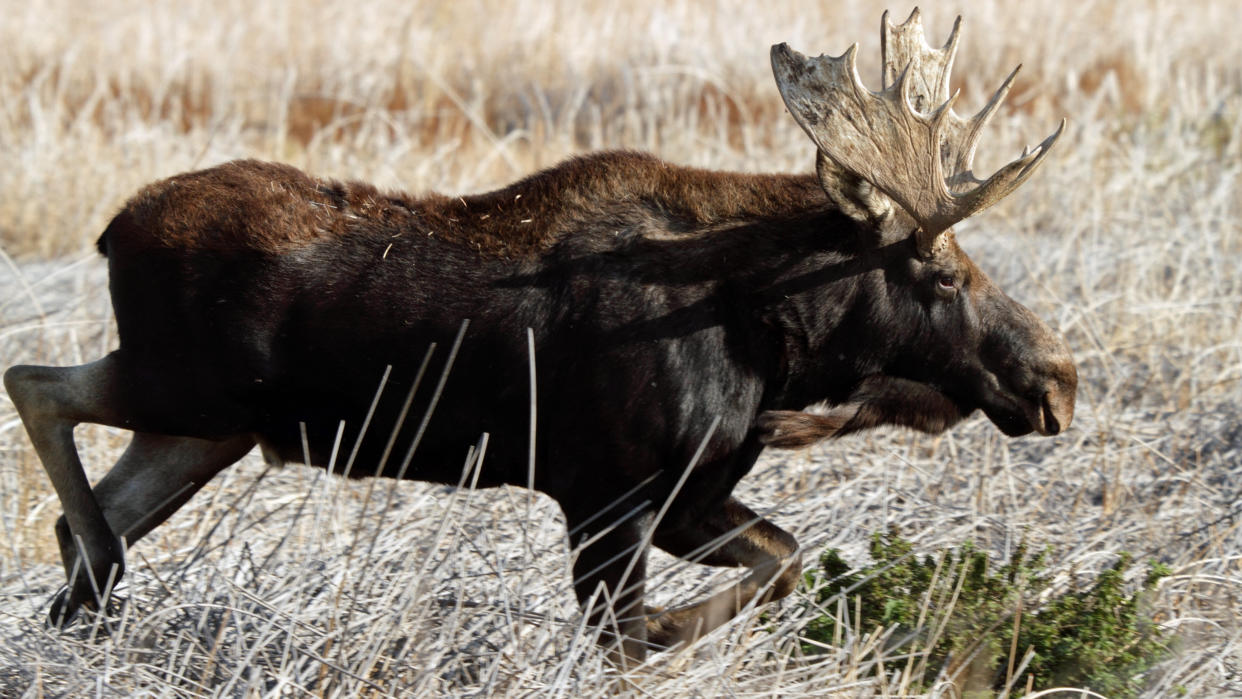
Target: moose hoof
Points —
{"points": [[664, 628], [64, 608], [66, 604]]}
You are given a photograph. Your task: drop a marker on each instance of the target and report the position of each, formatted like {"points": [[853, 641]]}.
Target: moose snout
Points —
{"points": [[1050, 423], [1056, 407], [1044, 377]]}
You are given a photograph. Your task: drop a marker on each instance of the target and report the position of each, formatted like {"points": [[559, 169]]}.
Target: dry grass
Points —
{"points": [[1128, 241]]}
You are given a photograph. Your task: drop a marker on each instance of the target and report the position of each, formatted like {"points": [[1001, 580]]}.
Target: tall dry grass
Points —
{"points": [[1128, 241]]}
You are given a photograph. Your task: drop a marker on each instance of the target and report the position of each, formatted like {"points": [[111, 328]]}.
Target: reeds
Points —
{"points": [[1128, 241]]}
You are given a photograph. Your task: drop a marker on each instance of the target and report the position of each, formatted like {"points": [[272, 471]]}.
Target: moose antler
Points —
{"points": [[905, 140]]}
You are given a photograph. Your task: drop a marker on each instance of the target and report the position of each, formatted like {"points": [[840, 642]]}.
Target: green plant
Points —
{"points": [[954, 616]]}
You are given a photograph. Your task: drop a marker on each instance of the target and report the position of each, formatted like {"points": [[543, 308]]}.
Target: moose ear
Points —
{"points": [[854, 196]]}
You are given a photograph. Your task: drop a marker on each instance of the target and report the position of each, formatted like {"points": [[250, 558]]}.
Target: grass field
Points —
{"points": [[275, 583]]}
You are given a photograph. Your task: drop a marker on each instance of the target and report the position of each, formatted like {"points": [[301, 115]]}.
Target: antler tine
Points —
{"points": [[959, 153], [904, 46], [906, 139]]}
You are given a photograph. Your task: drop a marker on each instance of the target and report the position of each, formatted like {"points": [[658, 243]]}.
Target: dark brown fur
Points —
{"points": [[258, 304], [678, 320], [272, 207]]}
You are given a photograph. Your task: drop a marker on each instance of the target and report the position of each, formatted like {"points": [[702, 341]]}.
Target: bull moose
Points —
{"points": [[680, 319]]}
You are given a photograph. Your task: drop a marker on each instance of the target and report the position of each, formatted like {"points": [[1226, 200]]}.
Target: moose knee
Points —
{"points": [[788, 575], [782, 568], [21, 383]]}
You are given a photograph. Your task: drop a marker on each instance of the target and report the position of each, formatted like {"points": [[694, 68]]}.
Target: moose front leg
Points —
{"points": [[732, 536], [609, 578]]}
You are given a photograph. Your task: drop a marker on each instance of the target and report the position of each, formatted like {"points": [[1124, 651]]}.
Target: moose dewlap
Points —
{"points": [[681, 318]]}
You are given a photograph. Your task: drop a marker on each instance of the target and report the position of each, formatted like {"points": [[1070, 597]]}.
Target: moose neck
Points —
{"points": [[822, 284], [803, 280]]}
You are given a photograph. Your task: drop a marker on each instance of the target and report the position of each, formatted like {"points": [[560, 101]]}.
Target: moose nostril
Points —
{"points": [[1051, 424]]}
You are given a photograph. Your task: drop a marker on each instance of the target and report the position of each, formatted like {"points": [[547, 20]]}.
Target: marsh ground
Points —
{"points": [[271, 582]]}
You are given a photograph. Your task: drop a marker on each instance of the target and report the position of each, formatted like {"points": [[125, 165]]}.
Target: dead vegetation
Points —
{"points": [[1128, 242]]}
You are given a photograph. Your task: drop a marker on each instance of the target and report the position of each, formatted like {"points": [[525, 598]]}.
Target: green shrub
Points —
{"points": [[953, 616]]}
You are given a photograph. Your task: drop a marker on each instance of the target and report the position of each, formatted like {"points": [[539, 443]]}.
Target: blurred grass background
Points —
{"points": [[1128, 241]]}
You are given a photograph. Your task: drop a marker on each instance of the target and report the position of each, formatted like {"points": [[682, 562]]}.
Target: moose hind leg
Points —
{"points": [[732, 536], [155, 476], [51, 401]]}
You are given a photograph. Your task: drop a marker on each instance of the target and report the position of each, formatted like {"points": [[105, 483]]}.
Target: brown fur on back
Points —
{"points": [[273, 207]]}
